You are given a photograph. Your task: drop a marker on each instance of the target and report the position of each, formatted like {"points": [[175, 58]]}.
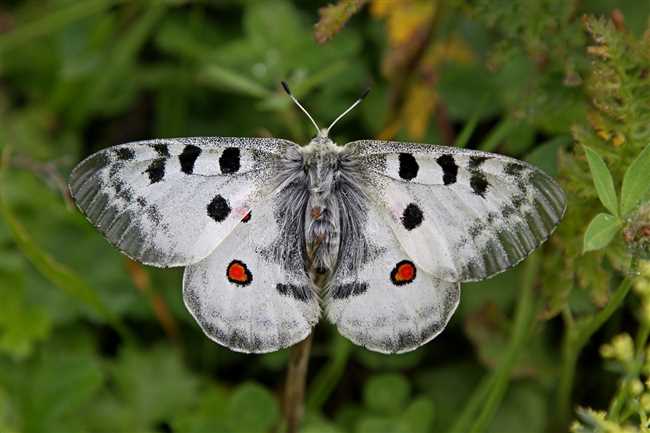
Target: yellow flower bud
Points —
{"points": [[607, 351], [644, 268], [645, 402], [576, 427], [642, 286], [636, 387], [623, 347]]}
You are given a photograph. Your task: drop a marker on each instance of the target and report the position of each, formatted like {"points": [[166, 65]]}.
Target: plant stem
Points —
{"points": [[575, 339], [489, 394], [294, 391], [524, 318], [328, 377]]}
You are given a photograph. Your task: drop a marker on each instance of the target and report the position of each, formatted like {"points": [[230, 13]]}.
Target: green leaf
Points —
{"points": [[636, 181], [152, 386], [418, 416], [21, 324], [544, 156], [55, 272], [524, 409], [374, 424], [77, 379], [52, 21], [600, 232], [209, 415], [386, 393], [225, 79], [252, 409], [602, 180]]}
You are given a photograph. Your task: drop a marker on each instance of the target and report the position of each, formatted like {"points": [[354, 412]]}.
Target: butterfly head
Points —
{"points": [[320, 144]]}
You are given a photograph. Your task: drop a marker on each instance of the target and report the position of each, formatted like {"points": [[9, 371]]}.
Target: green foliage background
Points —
{"points": [[90, 342]]}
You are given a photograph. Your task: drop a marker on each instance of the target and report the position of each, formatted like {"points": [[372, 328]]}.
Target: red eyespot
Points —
{"points": [[238, 273], [404, 272]]}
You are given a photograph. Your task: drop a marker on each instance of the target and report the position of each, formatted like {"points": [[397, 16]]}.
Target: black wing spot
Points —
{"points": [[479, 183], [475, 161], [301, 293], [162, 150], [408, 166], [229, 161], [412, 216], [449, 168], [156, 170], [125, 154], [344, 291], [122, 191], [513, 169], [154, 214], [218, 209], [188, 158]]}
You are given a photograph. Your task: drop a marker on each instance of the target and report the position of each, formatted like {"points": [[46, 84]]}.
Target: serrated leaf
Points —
{"points": [[636, 181], [600, 232], [602, 180]]}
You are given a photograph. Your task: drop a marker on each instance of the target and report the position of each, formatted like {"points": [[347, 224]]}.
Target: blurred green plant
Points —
{"points": [[91, 342]]}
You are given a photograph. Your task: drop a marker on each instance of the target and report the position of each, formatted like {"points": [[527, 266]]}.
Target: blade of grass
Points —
{"points": [[498, 133], [52, 21], [121, 57], [470, 126], [222, 78], [279, 100]]}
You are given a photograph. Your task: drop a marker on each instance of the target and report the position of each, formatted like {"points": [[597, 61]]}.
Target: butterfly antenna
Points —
{"points": [[293, 98], [357, 102]]}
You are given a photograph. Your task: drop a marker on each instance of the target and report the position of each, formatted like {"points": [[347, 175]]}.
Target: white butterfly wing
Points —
{"points": [[252, 294], [170, 202], [382, 300], [461, 215]]}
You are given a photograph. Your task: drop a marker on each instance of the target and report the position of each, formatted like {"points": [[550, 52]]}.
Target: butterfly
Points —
{"points": [[388, 229]]}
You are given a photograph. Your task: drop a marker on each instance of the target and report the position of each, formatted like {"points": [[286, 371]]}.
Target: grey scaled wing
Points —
{"points": [[461, 215], [170, 202]]}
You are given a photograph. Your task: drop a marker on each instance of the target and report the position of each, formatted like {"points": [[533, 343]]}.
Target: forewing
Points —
{"points": [[252, 294], [379, 298], [169, 202], [462, 215]]}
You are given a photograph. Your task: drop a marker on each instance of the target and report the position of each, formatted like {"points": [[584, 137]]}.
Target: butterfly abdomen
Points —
{"points": [[322, 234]]}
